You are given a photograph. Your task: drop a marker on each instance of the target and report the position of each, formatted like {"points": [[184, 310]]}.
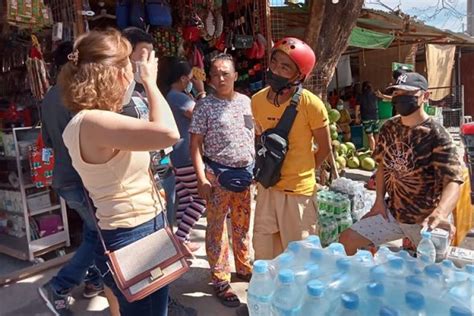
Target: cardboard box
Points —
{"points": [[460, 256]]}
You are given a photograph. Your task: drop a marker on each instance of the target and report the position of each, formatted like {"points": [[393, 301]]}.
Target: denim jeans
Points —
{"points": [[169, 185], [81, 267], [156, 304]]}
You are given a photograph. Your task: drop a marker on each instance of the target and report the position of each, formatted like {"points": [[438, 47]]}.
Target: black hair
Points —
{"points": [[222, 56], [136, 35], [61, 52], [366, 86], [178, 68]]}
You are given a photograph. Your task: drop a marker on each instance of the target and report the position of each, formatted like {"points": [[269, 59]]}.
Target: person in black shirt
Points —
{"points": [[369, 113]]}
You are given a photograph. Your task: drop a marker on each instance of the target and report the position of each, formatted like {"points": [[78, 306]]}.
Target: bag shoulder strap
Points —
{"points": [[288, 117]]}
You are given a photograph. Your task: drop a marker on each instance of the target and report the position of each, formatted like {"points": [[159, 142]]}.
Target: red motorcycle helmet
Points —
{"points": [[299, 52]]}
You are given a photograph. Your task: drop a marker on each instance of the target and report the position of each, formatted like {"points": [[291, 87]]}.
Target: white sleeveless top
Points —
{"points": [[121, 189]]}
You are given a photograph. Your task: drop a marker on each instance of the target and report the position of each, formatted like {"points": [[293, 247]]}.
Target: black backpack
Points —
{"points": [[273, 146]]}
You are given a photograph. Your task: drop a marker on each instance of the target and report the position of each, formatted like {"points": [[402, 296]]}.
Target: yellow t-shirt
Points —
{"points": [[297, 174]]}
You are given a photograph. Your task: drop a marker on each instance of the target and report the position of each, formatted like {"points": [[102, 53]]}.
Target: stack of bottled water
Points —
{"points": [[334, 215], [310, 280], [362, 199]]}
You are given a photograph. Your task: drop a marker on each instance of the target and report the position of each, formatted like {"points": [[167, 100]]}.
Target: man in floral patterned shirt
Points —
{"points": [[222, 150]]}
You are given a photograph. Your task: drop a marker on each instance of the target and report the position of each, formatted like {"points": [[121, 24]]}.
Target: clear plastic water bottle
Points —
{"points": [[395, 267], [349, 304], [415, 304], [381, 256], [377, 274], [313, 241], [285, 261], [260, 291], [375, 297], [414, 282], [426, 250], [310, 272], [459, 311], [389, 311], [337, 249], [315, 303], [434, 275], [287, 298], [344, 279]]}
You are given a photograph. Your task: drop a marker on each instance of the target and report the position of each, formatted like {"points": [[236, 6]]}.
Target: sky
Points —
{"points": [[424, 10]]}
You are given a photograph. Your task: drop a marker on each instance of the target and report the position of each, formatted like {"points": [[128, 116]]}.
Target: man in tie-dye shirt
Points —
{"points": [[418, 177]]}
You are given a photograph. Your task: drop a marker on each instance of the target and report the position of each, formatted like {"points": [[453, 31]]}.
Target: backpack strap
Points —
{"points": [[288, 117]]}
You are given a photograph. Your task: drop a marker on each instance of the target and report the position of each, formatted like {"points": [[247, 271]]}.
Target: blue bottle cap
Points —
{"points": [[447, 263], [313, 270], [469, 268], [426, 234], [395, 262], [389, 311], [415, 300], [286, 276], [459, 311], [364, 255], [414, 279], [285, 258], [260, 266], [317, 254], [404, 254], [377, 273], [315, 288], [375, 289], [350, 300], [314, 240], [336, 247], [343, 264], [460, 276], [433, 271], [294, 246]]}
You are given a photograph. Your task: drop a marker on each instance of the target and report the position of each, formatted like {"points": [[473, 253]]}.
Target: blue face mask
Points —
{"points": [[189, 87]]}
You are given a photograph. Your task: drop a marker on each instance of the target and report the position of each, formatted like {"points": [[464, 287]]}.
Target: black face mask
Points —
{"points": [[276, 82], [405, 104]]}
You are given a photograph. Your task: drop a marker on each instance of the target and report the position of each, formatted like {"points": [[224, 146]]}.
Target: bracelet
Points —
{"points": [[202, 93]]}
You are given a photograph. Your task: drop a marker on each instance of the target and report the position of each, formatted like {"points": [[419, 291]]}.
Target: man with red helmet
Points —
{"points": [[286, 211]]}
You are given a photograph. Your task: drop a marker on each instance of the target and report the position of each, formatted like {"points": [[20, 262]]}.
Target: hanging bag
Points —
{"points": [[273, 146], [148, 264], [41, 163], [159, 13]]}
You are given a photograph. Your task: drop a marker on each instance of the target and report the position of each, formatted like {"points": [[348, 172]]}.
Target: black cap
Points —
{"points": [[410, 81]]}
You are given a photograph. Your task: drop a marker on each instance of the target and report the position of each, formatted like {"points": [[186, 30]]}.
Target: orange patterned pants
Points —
{"points": [[217, 242]]}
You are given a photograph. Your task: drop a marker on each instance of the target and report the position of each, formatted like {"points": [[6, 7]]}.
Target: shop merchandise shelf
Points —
{"points": [[44, 210], [28, 248], [14, 246]]}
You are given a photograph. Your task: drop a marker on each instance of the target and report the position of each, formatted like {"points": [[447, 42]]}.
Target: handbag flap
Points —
{"points": [[145, 257]]}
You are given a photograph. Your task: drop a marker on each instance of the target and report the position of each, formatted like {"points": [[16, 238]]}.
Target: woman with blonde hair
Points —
{"points": [[110, 151]]}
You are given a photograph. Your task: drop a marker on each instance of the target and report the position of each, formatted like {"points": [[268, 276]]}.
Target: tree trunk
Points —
{"points": [[336, 25], [316, 18]]}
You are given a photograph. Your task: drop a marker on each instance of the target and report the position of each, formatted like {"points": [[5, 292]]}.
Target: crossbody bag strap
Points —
{"points": [[92, 208], [288, 117]]}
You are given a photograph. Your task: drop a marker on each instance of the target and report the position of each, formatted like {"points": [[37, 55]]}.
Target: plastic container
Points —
{"points": [[385, 109], [287, 298], [315, 302], [349, 304], [415, 304], [260, 291], [426, 250]]}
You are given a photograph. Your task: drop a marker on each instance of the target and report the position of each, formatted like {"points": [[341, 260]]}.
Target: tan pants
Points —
{"points": [[281, 218]]}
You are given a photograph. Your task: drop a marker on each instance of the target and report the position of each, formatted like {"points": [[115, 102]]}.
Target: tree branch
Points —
{"points": [[316, 17]]}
